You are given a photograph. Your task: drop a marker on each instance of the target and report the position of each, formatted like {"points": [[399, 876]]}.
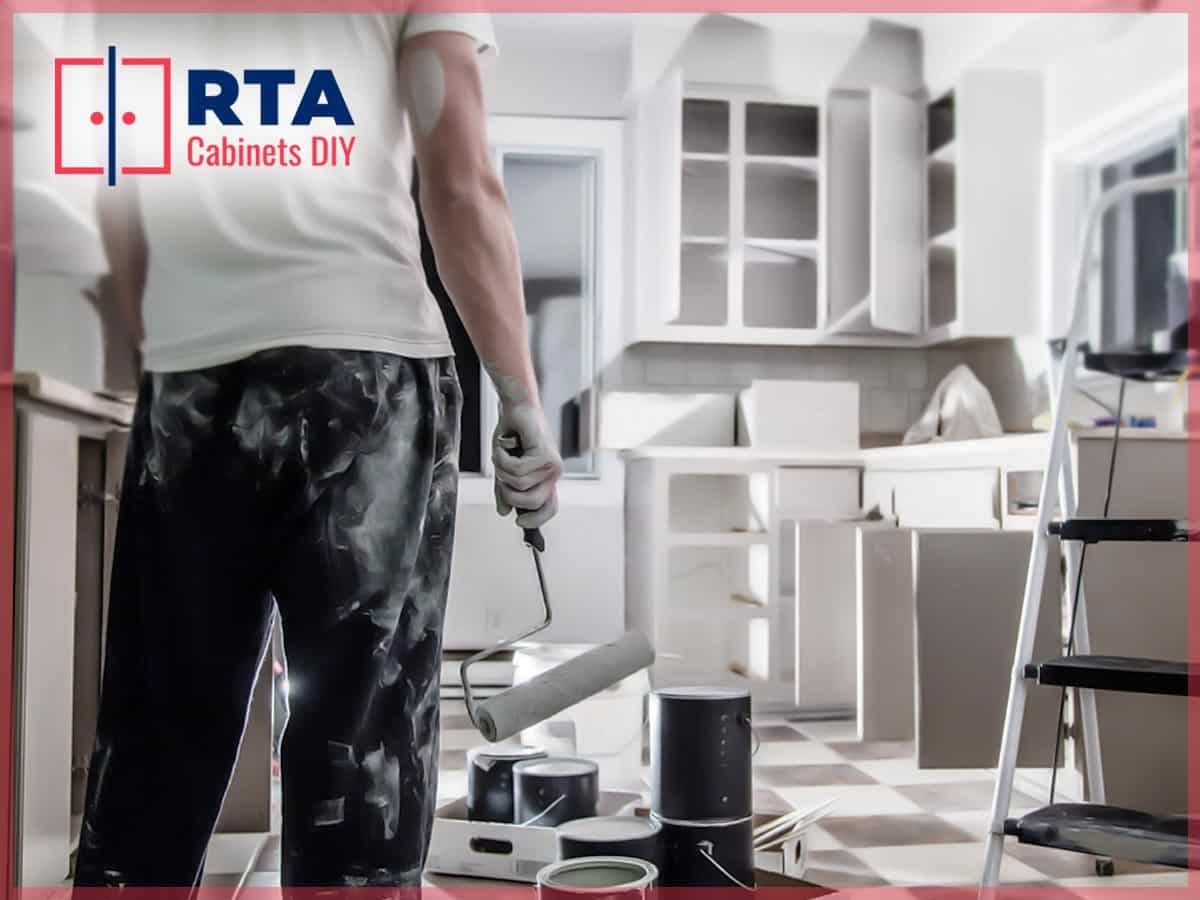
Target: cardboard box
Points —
{"points": [[498, 850]]}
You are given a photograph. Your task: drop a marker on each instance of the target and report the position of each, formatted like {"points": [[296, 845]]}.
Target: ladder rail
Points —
{"points": [[1088, 720], [1014, 714]]}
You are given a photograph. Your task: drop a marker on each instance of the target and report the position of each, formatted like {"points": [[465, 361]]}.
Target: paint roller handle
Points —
{"points": [[533, 536]]}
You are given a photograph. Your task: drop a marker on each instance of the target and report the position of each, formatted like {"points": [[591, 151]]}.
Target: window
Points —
{"points": [[553, 202], [1138, 298], [553, 194]]}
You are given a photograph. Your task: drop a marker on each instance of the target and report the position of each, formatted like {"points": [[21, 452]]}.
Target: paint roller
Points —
{"points": [[524, 705]]}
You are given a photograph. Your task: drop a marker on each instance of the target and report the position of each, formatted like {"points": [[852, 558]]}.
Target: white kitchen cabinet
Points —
{"points": [[984, 140], [726, 190], [709, 550]]}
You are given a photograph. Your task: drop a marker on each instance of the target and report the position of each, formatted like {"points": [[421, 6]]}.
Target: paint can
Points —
{"points": [[700, 753], [597, 878], [709, 853], [629, 836], [490, 780], [548, 792]]}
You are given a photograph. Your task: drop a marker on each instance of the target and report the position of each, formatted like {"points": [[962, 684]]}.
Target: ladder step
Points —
{"points": [[1107, 831], [1093, 531], [1115, 673]]}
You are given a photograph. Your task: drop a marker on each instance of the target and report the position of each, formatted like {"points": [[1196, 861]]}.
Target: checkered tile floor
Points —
{"points": [[893, 824]]}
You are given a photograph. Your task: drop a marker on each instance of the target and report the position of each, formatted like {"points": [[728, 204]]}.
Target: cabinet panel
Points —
{"points": [[817, 493], [896, 178], [969, 593], [956, 498], [657, 198]]}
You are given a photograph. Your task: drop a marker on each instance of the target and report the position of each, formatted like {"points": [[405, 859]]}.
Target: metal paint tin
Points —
{"points": [[490, 780], [700, 753], [597, 878], [554, 790], [629, 836], [707, 853]]}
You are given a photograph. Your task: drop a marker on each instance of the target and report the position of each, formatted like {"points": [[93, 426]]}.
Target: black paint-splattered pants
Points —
{"points": [[322, 482]]}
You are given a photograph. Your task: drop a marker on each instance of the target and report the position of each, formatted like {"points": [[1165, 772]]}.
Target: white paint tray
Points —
{"points": [[499, 850]]}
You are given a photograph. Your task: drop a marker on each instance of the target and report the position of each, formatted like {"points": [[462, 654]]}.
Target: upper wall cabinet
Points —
{"points": [[727, 192], [983, 140], [875, 217]]}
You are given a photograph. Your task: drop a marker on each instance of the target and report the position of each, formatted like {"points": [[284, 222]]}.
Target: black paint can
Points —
{"points": [[554, 790], [628, 836], [490, 780], [707, 853], [701, 745]]}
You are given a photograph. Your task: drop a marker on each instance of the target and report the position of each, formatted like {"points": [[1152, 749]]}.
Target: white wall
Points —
{"points": [[1093, 82], [556, 81], [1108, 70]]}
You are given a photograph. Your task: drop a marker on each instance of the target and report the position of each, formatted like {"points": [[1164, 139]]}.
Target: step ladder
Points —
{"points": [[1105, 832]]}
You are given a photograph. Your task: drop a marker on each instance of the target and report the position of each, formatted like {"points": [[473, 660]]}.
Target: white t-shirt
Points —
{"points": [[248, 257]]}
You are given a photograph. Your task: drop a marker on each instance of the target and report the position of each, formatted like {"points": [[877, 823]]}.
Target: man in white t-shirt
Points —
{"points": [[295, 439]]}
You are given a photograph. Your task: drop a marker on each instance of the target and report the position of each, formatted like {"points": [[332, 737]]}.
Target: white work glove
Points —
{"points": [[526, 483]]}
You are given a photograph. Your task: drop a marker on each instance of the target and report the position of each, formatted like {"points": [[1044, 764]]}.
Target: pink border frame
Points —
{"points": [[7, 405]]}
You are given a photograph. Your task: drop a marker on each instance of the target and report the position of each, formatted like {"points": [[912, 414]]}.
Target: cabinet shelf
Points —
{"points": [[945, 242], [855, 320], [774, 246], [704, 240], [945, 155], [809, 164]]}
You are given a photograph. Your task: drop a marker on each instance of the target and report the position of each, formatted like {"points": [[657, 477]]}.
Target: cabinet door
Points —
{"points": [[657, 163], [897, 182]]}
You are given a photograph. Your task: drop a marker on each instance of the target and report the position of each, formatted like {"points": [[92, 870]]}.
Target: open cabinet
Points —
{"points": [[983, 143]]}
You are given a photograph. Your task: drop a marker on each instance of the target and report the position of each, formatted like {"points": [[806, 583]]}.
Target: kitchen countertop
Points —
{"points": [[1018, 449]]}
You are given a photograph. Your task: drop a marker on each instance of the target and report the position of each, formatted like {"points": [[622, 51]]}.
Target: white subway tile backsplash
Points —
{"points": [[908, 369], [884, 411], [666, 370]]}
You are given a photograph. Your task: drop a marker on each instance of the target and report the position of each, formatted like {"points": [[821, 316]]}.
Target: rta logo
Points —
{"points": [[75, 128], [103, 103]]}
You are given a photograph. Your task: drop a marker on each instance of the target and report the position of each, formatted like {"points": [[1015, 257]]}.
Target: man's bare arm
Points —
{"points": [[470, 227], [124, 243]]}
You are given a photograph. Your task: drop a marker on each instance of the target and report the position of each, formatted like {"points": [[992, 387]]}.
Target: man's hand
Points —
{"points": [[527, 465]]}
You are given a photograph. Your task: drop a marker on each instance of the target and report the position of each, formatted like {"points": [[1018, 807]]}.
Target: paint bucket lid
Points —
{"points": [[504, 751], [588, 873], [556, 767], [609, 828], [703, 693], [700, 823]]}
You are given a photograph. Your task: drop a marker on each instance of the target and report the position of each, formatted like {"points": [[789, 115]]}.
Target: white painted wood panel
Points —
{"points": [[886, 645], [951, 498], [48, 457], [968, 601], [897, 246]]}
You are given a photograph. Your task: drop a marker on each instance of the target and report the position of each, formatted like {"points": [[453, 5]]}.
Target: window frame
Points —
{"points": [[1071, 182], [605, 139]]}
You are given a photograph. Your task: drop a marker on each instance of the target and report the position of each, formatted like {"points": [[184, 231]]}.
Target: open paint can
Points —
{"points": [[548, 792], [707, 854], [701, 745], [490, 780], [597, 878], [629, 836]]}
